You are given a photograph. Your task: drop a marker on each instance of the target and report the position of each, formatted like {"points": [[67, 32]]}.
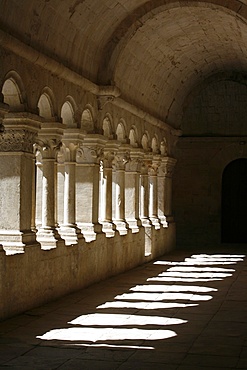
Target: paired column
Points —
{"points": [[68, 229], [144, 193], [168, 168], [88, 160], [16, 179], [106, 189], [153, 191], [119, 162], [132, 189], [49, 141]]}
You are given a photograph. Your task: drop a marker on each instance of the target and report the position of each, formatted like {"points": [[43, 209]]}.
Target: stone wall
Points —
{"points": [[214, 134], [38, 276]]}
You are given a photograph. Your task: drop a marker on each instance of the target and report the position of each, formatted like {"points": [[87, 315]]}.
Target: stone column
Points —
{"points": [[106, 189], [119, 162], [49, 141], [153, 192], [169, 164], [144, 193], [132, 189], [87, 186], [144, 204], [161, 192], [69, 230], [16, 179]]}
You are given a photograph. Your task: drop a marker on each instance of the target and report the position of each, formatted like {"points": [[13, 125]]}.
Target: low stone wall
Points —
{"points": [[37, 276]]}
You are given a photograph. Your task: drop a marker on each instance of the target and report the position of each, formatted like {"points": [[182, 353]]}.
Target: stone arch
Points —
{"points": [[155, 145], [13, 92], [133, 137], [87, 121], [121, 131], [46, 104], [68, 113], [234, 202], [145, 142], [164, 147], [107, 126]]}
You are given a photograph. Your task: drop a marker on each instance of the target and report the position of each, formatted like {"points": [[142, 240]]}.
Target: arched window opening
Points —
{"points": [[132, 138], [12, 95], [234, 202], [107, 127], [67, 115], [145, 143], [120, 133], [154, 145], [164, 147], [45, 107], [87, 121]]}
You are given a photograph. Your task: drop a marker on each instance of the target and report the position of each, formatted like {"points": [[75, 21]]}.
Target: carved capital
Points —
{"points": [[167, 167], [108, 158], [120, 160], [49, 148], [89, 154], [134, 165], [14, 140], [153, 169]]}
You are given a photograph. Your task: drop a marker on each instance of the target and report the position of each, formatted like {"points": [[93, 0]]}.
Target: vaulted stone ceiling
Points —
{"points": [[156, 52]]}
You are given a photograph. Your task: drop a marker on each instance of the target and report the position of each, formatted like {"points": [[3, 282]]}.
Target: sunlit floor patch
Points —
{"points": [[200, 269], [172, 288], [103, 334], [182, 279], [194, 274], [103, 319], [194, 262], [115, 346], [145, 305], [163, 297], [227, 256]]}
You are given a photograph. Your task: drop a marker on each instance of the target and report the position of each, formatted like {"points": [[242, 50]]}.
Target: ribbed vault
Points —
{"points": [[155, 51]]}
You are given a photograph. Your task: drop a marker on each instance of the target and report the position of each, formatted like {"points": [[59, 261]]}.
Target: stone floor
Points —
{"points": [[187, 310]]}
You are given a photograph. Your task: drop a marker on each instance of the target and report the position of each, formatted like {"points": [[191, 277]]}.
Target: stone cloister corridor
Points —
{"points": [[123, 141]]}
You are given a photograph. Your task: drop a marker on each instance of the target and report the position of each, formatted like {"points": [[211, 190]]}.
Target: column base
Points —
{"points": [[134, 225], [71, 234], [163, 221], [15, 241], [90, 231], [121, 227], [108, 228], [49, 238], [145, 222], [155, 222]]}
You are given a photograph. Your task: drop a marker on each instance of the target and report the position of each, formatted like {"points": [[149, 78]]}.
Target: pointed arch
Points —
{"points": [[87, 121], [154, 145], [46, 104], [145, 142], [121, 131], [107, 126], [13, 92], [68, 113], [133, 137]]}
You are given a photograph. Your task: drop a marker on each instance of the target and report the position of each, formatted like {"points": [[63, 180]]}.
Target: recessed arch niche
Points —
{"points": [[234, 202]]}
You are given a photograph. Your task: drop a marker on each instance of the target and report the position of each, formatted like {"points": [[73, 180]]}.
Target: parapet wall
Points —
{"points": [[37, 276]]}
